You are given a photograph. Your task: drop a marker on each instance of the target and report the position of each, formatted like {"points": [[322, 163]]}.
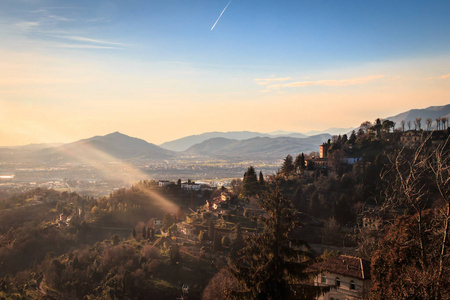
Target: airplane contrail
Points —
{"points": [[220, 15]]}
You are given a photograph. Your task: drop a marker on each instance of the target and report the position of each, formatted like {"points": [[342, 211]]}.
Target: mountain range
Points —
{"points": [[232, 145], [185, 143], [432, 112]]}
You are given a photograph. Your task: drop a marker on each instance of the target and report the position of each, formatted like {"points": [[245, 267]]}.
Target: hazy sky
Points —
{"points": [[155, 69]]}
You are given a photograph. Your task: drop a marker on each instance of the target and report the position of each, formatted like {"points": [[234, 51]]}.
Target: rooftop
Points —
{"points": [[346, 265]]}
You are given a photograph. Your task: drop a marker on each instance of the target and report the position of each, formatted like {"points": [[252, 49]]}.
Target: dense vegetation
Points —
{"points": [[61, 245]]}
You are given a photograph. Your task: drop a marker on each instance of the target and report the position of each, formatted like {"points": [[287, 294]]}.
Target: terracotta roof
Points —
{"points": [[346, 265]]}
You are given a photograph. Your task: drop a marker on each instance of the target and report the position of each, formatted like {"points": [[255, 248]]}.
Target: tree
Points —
{"points": [[402, 124], [377, 127], [365, 126], [134, 232], [352, 138], [429, 121], [288, 165], [261, 179], [418, 124], [438, 123], [416, 250], [250, 185], [299, 163], [387, 125], [273, 266]]}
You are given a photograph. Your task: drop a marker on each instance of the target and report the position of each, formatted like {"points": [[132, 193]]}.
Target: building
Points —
{"points": [[324, 150], [190, 186], [348, 274], [162, 183]]}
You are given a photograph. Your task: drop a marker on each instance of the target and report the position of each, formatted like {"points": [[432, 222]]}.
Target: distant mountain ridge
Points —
{"points": [[432, 112], [114, 145], [184, 143], [106, 148], [258, 147]]}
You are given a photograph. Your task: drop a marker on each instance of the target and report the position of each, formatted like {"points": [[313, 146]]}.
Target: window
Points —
{"points": [[352, 285], [337, 282], [324, 278]]}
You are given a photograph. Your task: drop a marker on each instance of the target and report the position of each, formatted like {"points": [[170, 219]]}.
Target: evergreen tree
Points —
{"points": [[299, 163], [273, 266], [288, 165], [250, 185], [262, 182], [134, 232], [352, 138]]}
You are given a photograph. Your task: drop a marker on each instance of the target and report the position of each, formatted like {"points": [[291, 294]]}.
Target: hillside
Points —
{"points": [[184, 143], [109, 147], [263, 147], [432, 112]]}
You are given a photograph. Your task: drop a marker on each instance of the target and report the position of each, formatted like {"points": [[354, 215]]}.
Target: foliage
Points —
{"points": [[250, 185], [270, 266], [288, 166]]}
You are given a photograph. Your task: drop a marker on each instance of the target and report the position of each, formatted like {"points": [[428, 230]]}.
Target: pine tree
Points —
{"points": [[272, 265], [134, 232], [250, 185], [288, 165], [144, 233]]}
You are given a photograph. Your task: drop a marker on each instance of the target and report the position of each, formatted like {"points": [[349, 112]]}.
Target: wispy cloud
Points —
{"points": [[446, 76], [27, 26], [89, 40], [266, 81], [334, 83], [83, 46]]}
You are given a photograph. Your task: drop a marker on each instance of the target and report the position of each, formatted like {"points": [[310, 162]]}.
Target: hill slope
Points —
{"points": [[106, 148], [432, 112], [258, 147]]}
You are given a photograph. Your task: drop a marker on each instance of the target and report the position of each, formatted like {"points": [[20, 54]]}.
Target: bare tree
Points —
{"points": [[418, 124], [419, 184], [438, 123], [408, 123], [402, 124], [429, 121]]}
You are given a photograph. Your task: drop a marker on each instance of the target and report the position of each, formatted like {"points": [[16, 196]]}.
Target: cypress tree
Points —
{"points": [[262, 182]]}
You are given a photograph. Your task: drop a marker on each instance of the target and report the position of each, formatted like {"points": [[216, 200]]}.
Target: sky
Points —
{"points": [[161, 70]]}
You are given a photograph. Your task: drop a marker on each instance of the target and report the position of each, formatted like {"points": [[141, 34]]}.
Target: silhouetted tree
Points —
{"points": [[418, 124], [402, 124], [250, 185], [288, 165], [262, 182], [299, 163], [273, 266]]}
